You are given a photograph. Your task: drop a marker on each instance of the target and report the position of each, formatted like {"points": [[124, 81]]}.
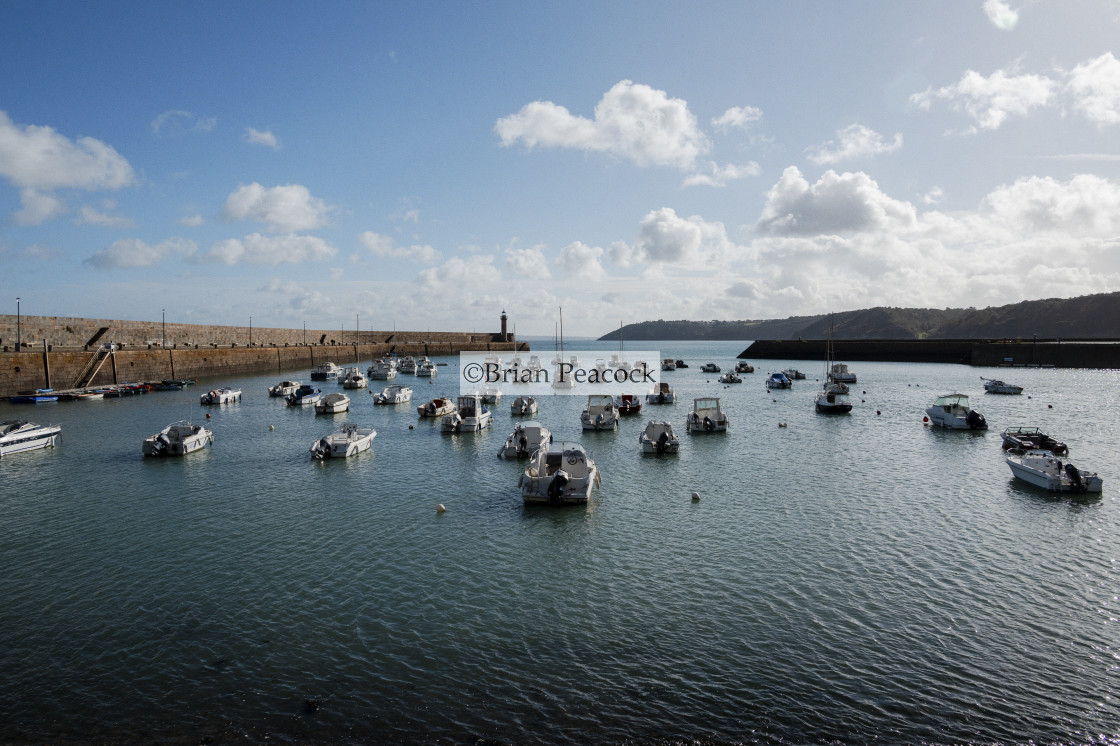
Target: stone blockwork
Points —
{"points": [[59, 369], [64, 332]]}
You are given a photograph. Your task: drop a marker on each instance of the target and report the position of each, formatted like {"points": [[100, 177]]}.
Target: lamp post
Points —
{"points": [[250, 331], [19, 340], [164, 312]]}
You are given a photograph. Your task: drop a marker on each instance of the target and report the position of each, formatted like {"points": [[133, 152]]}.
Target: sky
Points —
{"points": [[427, 165]]}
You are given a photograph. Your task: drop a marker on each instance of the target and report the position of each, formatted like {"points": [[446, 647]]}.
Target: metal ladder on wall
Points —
{"points": [[92, 367]]}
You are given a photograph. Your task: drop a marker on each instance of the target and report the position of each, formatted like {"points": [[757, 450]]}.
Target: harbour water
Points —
{"points": [[848, 579]]}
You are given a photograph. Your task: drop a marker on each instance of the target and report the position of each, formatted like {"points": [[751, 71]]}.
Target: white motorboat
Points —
{"points": [[779, 381], [525, 439], [491, 395], [352, 378], [223, 395], [951, 411], [524, 405], [730, 377], [709, 368], [178, 439], [706, 416], [839, 373], [426, 369], [668, 364], [471, 415], [534, 363], [629, 404], [437, 407], [17, 436], [562, 474], [407, 365], [601, 413], [306, 395], [332, 404], [382, 370], [662, 393], [348, 441], [658, 437], [996, 386], [1044, 469], [744, 367], [794, 374], [394, 394], [283, 388], [327, 371]]}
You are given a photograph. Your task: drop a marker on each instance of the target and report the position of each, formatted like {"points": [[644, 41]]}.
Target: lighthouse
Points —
{"points": [[505, 336]]}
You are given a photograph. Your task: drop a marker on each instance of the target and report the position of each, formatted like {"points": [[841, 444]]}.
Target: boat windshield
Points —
{"points": [[951, 400], [600, 400], [701, 404]]}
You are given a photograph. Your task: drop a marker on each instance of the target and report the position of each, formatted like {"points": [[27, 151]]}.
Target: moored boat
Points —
{"points": [[524, 405], [744, 367], [327, 371], [491, 395], [348, 441], [1031, 439], [352, 378], [17, 436], [668, 364], [779, 381], [283, 388], [839, 373], [470, 415], [223, 395], [996, 386], [562, 474], [305, 395], [600, 413], [1044, 469], [426, 369], [383, 370], [525, 439], [407, 365], [662, 393], [177, 439], [39, 396], [658, 437], [629, 404], [710, 368], [394, 394], [706, 416], [437, 407], [730, 377], [794, 374], [332, 404], [952, 412]]}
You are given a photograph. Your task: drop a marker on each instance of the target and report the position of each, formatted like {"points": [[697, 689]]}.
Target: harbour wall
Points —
{"points": [[64, 346], [1057, 353]]}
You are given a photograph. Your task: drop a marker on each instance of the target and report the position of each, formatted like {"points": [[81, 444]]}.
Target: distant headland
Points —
{"points": [[1085, 317]]}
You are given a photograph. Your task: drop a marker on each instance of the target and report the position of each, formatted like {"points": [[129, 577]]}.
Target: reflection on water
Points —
{"points": [[844, 579]]}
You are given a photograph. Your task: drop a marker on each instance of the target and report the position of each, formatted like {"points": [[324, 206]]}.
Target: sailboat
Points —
{"points": [[618, 360], [564, 369], [833, 397]]}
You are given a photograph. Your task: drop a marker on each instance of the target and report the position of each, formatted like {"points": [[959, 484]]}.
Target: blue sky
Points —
{"points": [[426, 165]]}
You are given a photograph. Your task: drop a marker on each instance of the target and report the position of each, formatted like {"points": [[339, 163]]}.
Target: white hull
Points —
{"points": [[453, 423], [523, 405], [346, 442], [434, 409], [658, 438], [394, 395], [1043, 469], [701, 425], [178, 440], [19, 436], [283, 388], [221, 396], [600, 421], [333, 404], [525, 439], [559, 476], [426, 371]]}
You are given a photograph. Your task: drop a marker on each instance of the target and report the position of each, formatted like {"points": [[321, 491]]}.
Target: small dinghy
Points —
{"points": [[348, 441], [525, 439]]}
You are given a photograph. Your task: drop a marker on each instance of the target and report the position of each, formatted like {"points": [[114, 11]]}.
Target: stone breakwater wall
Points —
{"points": [[73, 333], [59, 369], [1064, 353]]}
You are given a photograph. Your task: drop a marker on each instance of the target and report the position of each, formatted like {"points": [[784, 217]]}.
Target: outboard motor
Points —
{"points": [[976, 421], [322, 448], [599, 420], [523, 446], [708, 424], [1074, 475], [431, 408], [662, 442], [556, 487]]}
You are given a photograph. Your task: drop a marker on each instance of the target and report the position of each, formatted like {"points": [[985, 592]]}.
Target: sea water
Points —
{"points": [[855, 578]]}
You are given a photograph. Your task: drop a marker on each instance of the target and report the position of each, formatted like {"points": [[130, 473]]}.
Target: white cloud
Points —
{"points": [[132, 252], [450, 277], [837, 203], [299, 297], [933, 196], [91, 216], [262, 137], [39, 158], [38, 207], [269, 250], [632, 121], [582, 262], [990, 101], [192, 221], [527, 264], [1086, 205], [1095, 86], [855, 141], [382, 246], [283, 208], [666, 238], [1001, 14], [718, 176], [177, 122], [741, 117]]}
